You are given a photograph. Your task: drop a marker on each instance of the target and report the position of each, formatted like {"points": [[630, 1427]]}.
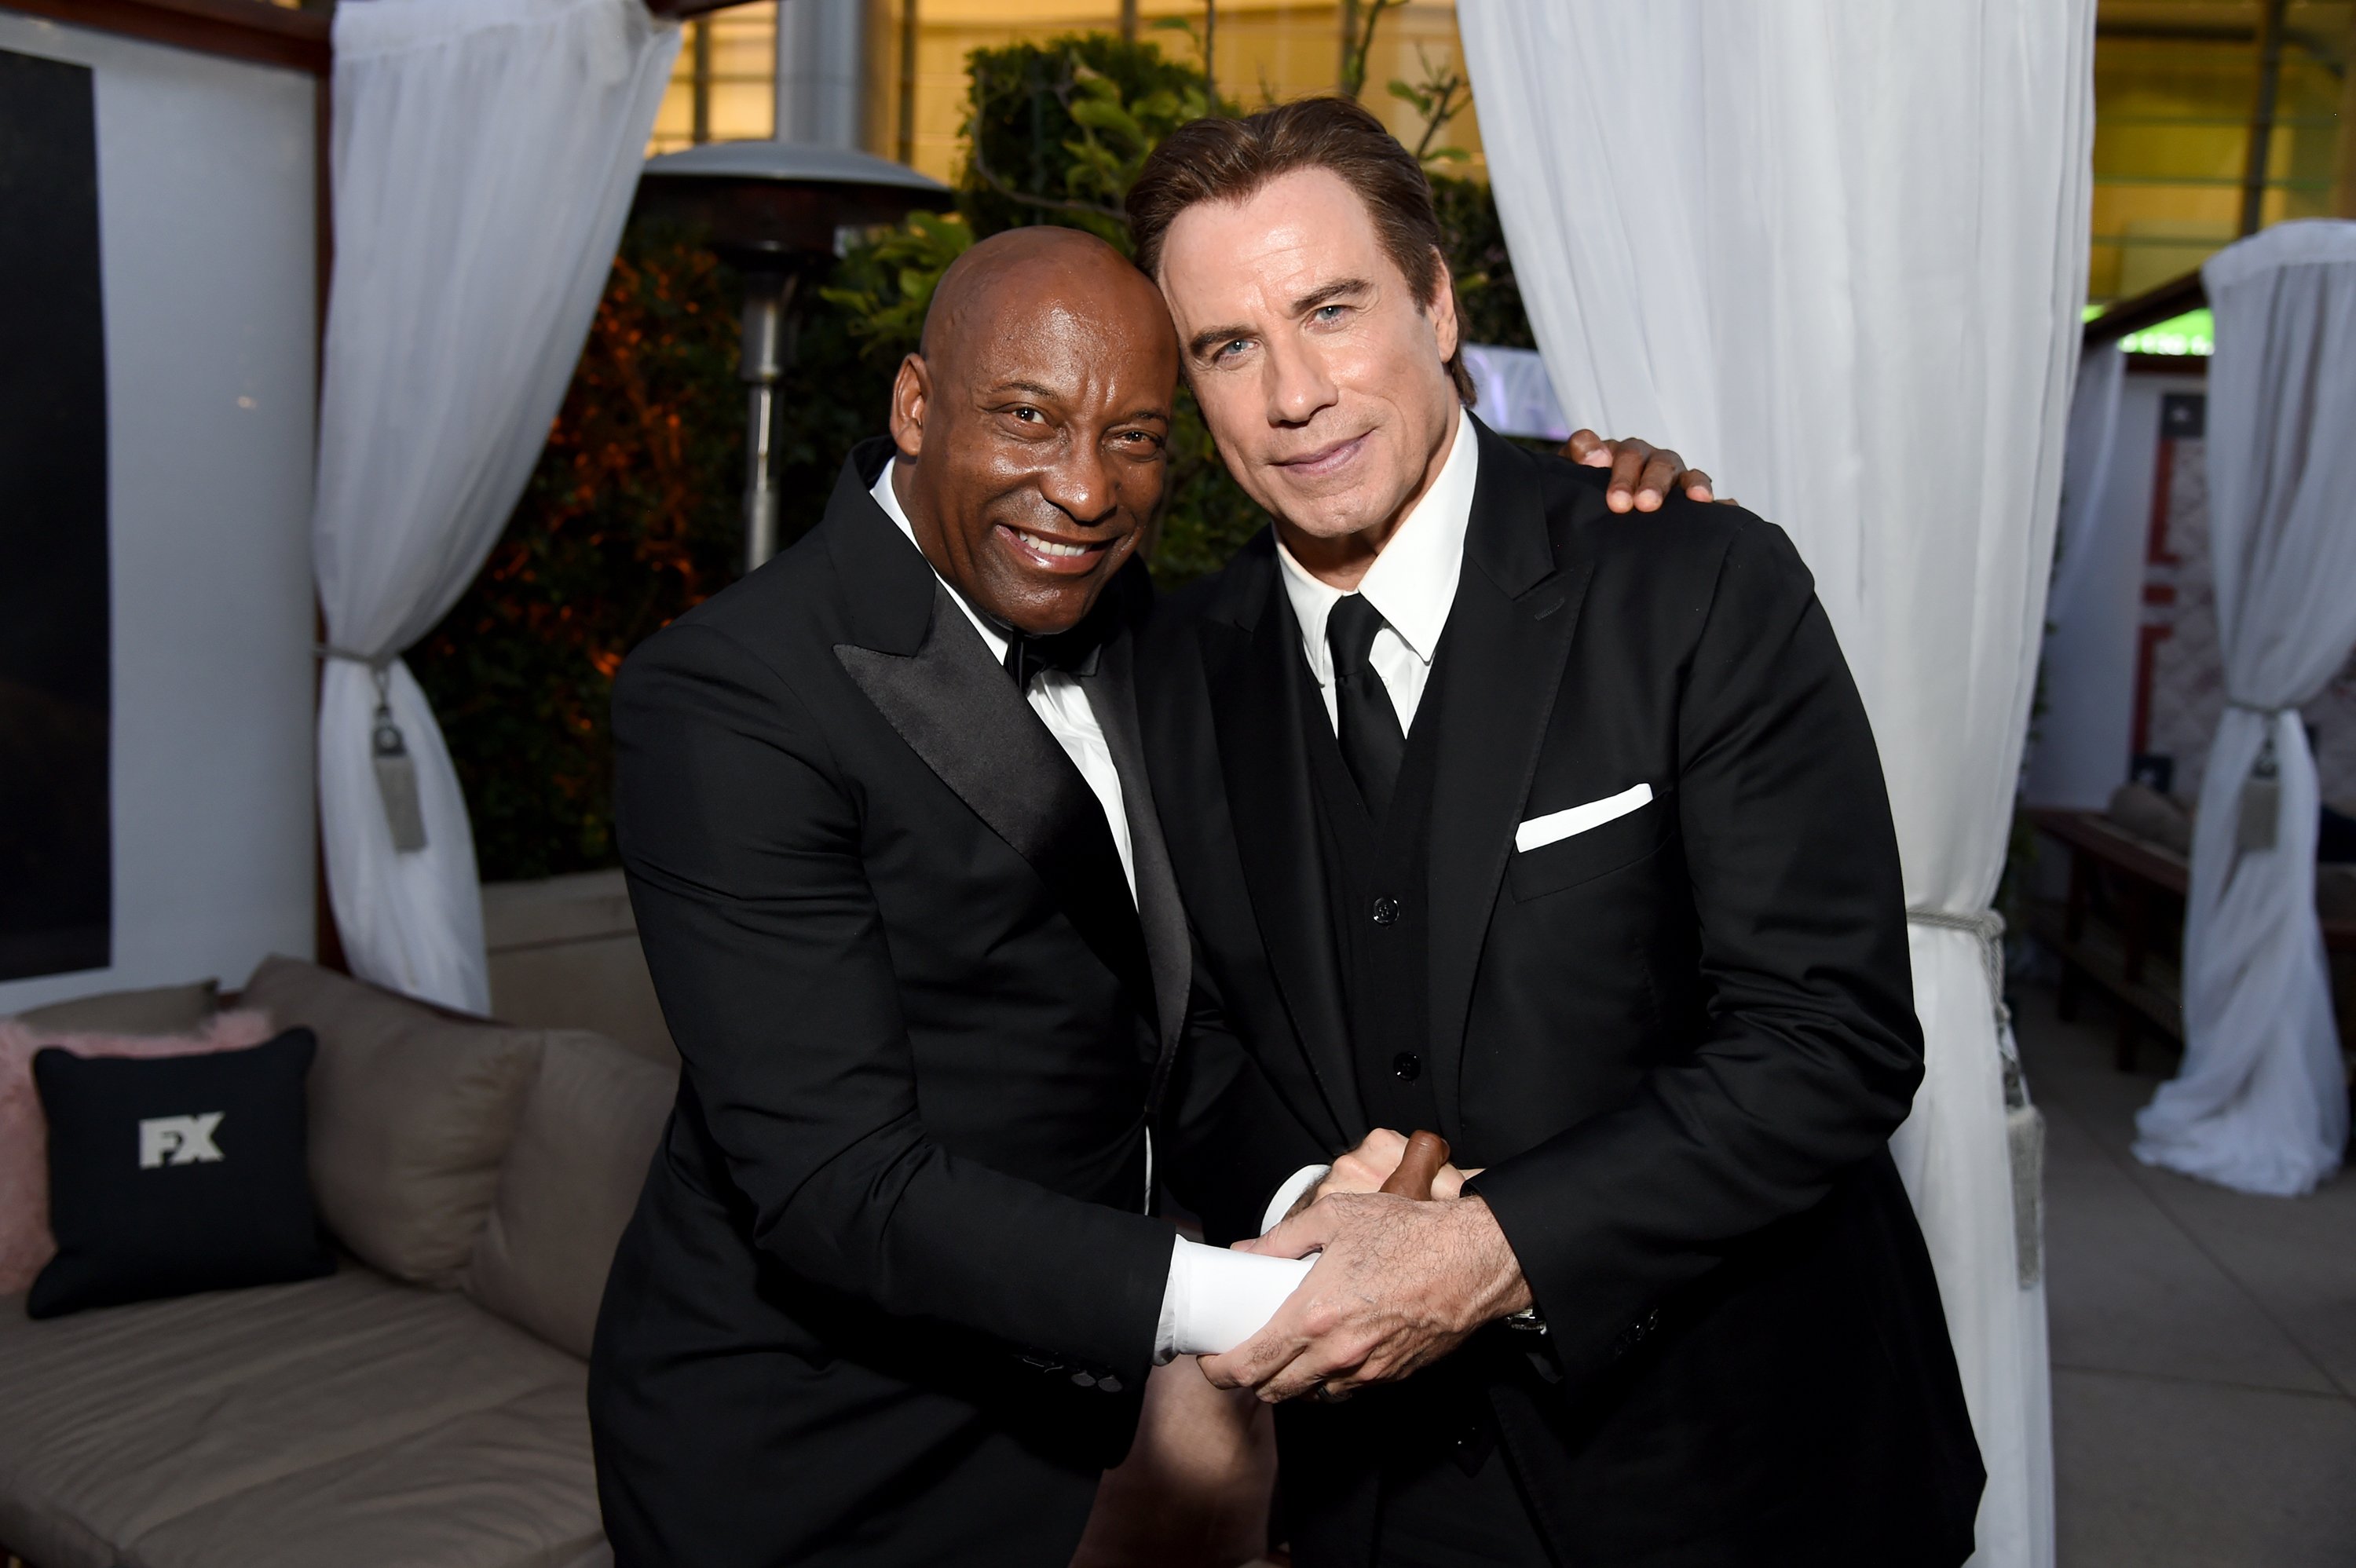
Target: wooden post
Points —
{"points": [[906, 141], [1210, 53], [2343, 198], [2262, 118]]}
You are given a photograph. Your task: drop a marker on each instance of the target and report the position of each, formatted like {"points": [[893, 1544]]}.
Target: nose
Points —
{"points": [[1079, 482], [1297, 384]]}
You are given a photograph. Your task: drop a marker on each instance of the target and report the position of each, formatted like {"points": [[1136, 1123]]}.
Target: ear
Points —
{"points": [[1441, 308], [912, 397]]}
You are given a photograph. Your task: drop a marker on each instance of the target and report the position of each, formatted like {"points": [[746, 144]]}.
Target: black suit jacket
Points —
{"points": [[1678, 1042], [890, 1293]]}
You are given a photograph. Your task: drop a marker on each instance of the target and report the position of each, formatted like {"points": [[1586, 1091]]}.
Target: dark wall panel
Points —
{"points": [[56, 849]]}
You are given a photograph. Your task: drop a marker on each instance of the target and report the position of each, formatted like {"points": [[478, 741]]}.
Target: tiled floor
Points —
{"points": [[2205, 1342]]}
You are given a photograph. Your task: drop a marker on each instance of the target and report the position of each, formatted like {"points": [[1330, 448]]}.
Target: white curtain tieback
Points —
{"points": [[2024, 1124], [1988, 926], [396, 769], [379, 663]]}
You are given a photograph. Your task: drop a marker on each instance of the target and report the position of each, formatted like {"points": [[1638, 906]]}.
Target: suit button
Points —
{"points": [[1408, 1065], [1387, 911]]}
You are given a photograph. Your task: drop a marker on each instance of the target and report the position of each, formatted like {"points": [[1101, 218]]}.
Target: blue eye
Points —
{"points": [[1329, 313]]}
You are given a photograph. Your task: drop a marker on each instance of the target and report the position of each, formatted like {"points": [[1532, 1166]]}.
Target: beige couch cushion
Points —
{"points": [[160, 1010], [411, 1114], [511, 1486], [564, 955], [590, 1127], [124, 1421]]}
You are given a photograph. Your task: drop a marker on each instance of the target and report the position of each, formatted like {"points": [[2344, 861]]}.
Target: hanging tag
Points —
{"points": [[2261, 803], [2024, 1126], [396, 781]]}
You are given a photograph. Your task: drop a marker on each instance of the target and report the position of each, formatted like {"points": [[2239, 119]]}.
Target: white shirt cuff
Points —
{"points": [[1216, 1299], [1298, 1182]]}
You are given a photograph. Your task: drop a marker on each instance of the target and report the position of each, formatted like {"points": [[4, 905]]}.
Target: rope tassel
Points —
{"points": [[2024, 1124]]}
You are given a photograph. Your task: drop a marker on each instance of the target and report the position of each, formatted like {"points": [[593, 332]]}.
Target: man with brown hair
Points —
{"points": [[1565, 837]]}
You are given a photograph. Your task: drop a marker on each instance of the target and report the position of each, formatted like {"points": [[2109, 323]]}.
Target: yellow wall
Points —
{"points": [[2171, 112], [2171, 131], [741, 97], [1264, 50]]}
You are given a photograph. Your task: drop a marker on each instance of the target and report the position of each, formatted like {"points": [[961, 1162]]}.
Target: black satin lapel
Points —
{"points": [[1112, 697], [1499, 668], [957, 709], [1257, 705]]}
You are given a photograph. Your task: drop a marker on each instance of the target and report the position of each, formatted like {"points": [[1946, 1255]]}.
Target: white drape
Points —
{"points": [[2260, 1103], [484, 156], [1513, 393], [1835, 250], [2087, 670]]}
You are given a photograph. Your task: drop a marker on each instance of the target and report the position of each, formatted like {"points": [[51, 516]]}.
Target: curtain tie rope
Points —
{"points": [[376, 662], [1988, 927]]}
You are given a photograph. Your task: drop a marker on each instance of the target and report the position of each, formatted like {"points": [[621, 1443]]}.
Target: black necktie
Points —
{"points": [[1074, 651], [1372, 742]]}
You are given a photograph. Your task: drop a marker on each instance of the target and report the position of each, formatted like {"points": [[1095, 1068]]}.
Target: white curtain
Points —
{"points": [[2079, 755], [1513, 393], [1834, 251], [484, 156], [2260, 1103]]}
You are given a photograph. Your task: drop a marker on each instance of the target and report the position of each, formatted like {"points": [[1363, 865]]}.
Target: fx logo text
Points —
{"points": [[178, 1140]]}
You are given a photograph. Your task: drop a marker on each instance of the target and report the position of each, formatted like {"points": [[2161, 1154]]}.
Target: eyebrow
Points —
{"points": [[1201, 343], [1318, 298], [1049, 395]]}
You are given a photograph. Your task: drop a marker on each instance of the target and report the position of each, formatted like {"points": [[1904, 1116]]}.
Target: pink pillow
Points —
{"points": [[26, 1244]]}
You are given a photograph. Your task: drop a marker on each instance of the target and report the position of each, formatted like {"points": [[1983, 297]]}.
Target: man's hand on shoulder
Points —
{"points": [[1643, 474], [1398, 1284]]}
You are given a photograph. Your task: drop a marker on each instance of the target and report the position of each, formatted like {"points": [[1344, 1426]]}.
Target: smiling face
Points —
{"points": [[1321, 376], [1032, 427]]}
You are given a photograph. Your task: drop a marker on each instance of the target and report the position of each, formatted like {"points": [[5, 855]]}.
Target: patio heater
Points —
{"points": [[773, 210]]}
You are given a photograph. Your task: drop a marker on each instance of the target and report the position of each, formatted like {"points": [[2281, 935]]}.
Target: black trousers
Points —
{"points": [[1435, 1515]]}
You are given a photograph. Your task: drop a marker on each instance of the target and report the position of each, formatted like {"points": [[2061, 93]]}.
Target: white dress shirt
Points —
{"points": [[1215, 1299], [1412, 584]]}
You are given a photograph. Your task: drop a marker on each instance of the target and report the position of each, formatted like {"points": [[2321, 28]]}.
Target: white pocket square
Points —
{"points": [[1539, 831]]}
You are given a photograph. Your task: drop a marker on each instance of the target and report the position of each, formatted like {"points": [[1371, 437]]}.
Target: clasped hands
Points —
{"points": [[1398, 1282]]}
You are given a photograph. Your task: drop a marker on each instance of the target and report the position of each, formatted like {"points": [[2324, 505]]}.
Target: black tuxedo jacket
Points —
{"points": [[1678, 1042], [890, 1293]]}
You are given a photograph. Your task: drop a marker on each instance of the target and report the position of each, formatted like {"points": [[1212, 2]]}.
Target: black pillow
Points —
{"points": [[175, 1174]]}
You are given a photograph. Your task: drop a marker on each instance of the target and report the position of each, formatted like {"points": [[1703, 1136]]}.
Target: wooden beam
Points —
{"points": [[2149, 308], [247, 30], [685, 8]]}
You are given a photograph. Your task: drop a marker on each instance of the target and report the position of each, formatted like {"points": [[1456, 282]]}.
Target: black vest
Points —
{"points": [[1374, 883]]}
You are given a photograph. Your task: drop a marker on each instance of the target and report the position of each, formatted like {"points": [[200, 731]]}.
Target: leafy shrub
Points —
{"points": [[632, 516]]}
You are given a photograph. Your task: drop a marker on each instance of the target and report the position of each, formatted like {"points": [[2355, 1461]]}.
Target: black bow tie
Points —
{"points": [[1074, 651]]}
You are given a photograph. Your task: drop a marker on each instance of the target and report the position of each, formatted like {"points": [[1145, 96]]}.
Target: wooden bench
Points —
{"points": [[2120, 927]]}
